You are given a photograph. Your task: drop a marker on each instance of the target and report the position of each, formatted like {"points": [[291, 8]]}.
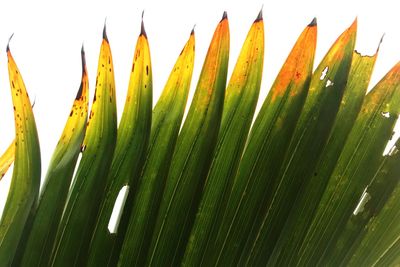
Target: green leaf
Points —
{"points": [[309, 139], [192, 156], [167, 118], [129, 156], [239, 106], [24, 188], [378, 243], [373, 199], [47, 215], [310, 193], [359, 161], [79, 216], [266, 146]]}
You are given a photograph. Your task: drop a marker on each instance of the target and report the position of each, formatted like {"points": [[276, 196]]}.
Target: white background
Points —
{"points": [[49, 34]]}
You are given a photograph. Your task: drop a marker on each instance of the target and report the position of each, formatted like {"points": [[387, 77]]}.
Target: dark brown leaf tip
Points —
{"points": [[192, 32], [8, 43], [34, 101], [380, 42], [79, 94], [142, 30], [224, 16], [259, 16], [105, 30], [83, 59], [313, 22]]}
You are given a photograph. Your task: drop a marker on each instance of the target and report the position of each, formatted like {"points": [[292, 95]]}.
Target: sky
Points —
{"points": [[48, 36]]}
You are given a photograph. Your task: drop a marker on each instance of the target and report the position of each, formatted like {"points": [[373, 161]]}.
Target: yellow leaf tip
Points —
{"points": [[224, 16], [105, 30], [142, 30], [8, 43], [260, 15], [313, 22]]}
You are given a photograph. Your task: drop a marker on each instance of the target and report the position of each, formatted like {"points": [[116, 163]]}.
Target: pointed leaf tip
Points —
{"points": [[83, 59], [313, 22], [353, 26], [142, 30], [259, 16], [105, 31], [224, 16], [380, 42], [8, 43], [192, 32]]}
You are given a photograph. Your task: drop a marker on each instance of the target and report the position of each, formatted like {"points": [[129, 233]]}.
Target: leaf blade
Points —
{"points": [[281, 107], [7, 159], [364, 147], [311, 192], [239, 106], [24, 188], [132, 140], [54, 192], [167, 117], [78, 219], [191, 158]]}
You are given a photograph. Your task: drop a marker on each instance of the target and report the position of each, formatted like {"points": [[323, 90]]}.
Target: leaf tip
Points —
{"points": [[34, 101], [8, 43], [260, 15], [83, 59], [353, 26], [142, 30], [313, 22], [224, 16], [380, 42], [105, 30], [192, 32]]}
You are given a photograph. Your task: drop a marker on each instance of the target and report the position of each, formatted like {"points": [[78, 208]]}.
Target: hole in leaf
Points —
{"points": [[385, 114], [393, 140], [329, 83], [394, 150], [365, 197], [324, 73], [118, 209], [78, 162]]}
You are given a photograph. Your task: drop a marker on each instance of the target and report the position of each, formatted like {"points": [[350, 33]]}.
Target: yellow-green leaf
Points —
{"points": [[56, 185], [166, 121], [24, 188], [266, 147], [7, 159], [192, 156], [79, 216], [129, 156], [239, 105]]}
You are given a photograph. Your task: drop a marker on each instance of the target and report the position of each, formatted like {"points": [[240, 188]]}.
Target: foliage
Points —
{"points": [[306, 184]]}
